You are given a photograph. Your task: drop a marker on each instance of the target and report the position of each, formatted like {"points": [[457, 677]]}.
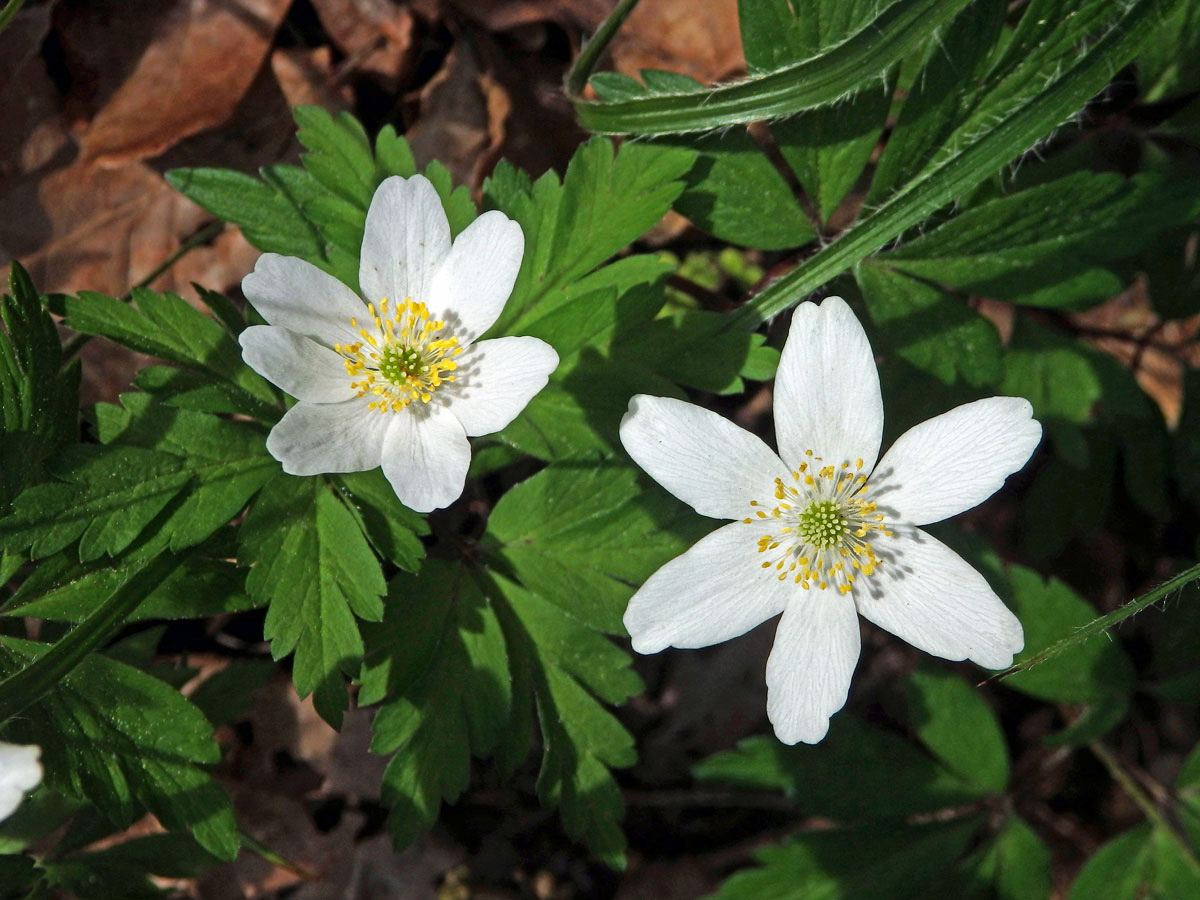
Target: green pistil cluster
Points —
{"points": [[398, 363], [822, 524]]}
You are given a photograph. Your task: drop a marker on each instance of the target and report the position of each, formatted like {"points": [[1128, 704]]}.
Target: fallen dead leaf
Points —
{"points": [[375, 35], [192, 63], [1158, 351]]}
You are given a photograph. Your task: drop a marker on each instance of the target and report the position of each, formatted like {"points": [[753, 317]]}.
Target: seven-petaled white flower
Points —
{"points": [[20, 773], [823, 533], [400, 380]]}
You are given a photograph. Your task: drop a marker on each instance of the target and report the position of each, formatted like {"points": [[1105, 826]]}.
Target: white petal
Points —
{"points": [[713, 592], [296, 295], [405, 240], [426, 458], [476, 277], [20, 773], [928, 595], [495, 380], [702, 458], [300, 366], [827, 388], [317, 438], [954, 461], [808, 672]]}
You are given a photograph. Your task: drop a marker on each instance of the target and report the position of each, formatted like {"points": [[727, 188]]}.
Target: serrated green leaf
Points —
{"points": [[38, 406], [61, 589], [186, 472], [448, 691], [339, 154], [942, 94], [126, 741], [267, 217], [567, 660], [392, 527], [981, 152], [582, 537], [121, 872], [311, 564], [604, 202], [167, 326], [929, 328], [955, 723], [1024, 245], [736, 194]]}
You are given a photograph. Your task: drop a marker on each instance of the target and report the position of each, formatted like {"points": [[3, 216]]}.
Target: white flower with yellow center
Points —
{"points": [[20, 773], [823, 534], [400, 380]]}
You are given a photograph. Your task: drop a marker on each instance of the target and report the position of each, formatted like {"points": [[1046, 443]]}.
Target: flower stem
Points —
{"points": [[1105, 622], [1148, 807], [589, 56]]}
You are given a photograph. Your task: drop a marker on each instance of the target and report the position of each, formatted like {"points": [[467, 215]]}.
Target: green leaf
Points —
{"points": [[167, 326], [1169, 63], [38, 406], [1084, 673], [393, 529], [582, 537], [1023, 246], [967, 163], [126, 741], [312, 566], [606, 200], [934, 331], [269, 219], [440, 658], [872, 863], [205, 584], [736, 194], [570, 663], [186, 472], [1123, 869], [941, 96], [859, 773], [1017, 863], [864, 55], [1057, 375], [339, 156], [955, 723]]}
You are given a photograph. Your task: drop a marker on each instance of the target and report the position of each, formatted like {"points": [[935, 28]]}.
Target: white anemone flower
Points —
{"points": [[20, 773], [400, 379], [823, 534]]}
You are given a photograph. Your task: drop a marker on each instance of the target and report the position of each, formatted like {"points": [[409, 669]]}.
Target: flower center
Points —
{"points": [[408, 364], [819, 526]]}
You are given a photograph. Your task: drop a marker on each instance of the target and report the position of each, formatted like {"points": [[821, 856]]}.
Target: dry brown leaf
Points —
{"points": [[697, 39], [1157, 351], [192, 63], [453, 124], [306, 78], [375, 35]]}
